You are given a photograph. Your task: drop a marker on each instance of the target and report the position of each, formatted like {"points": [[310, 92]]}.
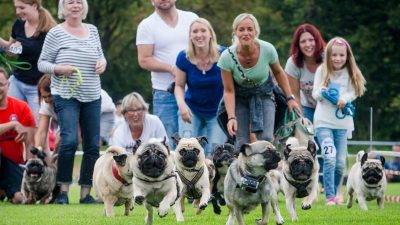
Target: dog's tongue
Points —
{"points": [[34, 175]]}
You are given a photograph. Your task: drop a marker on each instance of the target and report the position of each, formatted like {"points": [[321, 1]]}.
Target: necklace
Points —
{"points": [[203, 65]]}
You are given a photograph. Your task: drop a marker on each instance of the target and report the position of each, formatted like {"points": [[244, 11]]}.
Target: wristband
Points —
{"points": [[290, 97], [232, 118]]}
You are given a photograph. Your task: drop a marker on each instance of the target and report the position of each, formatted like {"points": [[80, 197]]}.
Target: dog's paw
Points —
{"points": [[305, 206], [280, 222], [139, 200], [203, 206], [222, 201], [259, 222], [162, 212], [217, 210]]}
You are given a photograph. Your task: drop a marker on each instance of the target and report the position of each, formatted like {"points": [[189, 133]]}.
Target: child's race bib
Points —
{"points": [[328, 148]]}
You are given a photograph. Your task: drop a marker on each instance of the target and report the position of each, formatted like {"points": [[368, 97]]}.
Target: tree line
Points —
{"points": [[372, 28]]}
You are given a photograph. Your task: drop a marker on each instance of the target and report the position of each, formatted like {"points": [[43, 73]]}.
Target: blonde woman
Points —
{"points": [[197, 69], [27, 35], [248, 85]]}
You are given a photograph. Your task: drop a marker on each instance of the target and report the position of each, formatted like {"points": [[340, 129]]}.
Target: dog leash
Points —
{"points": [[10, 64], [332, 95], [74, 87]]}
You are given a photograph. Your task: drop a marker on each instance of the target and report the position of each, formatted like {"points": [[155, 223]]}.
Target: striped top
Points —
{"points": [[61, 47]]}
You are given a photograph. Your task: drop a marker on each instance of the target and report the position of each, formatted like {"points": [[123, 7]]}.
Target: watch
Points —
{"points": [[290, 97]]}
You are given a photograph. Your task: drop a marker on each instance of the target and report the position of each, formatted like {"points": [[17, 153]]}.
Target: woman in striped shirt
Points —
{"points": [[72, 52]]}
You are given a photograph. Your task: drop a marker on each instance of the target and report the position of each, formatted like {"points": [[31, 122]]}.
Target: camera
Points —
{"points": [[249, 183], [171, 88]]}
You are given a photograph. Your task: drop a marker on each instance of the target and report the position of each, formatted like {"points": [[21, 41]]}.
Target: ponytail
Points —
{"points": [[46, 21]]}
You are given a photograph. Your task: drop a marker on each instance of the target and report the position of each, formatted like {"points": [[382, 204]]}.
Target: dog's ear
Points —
{"points": [[245, 149], [202, 140], [164, 142], [176, 138], [287, 151], [382, 161], [120, 159], [312, 148], [136, 146], [364, 158], [34, 150], [41, 155]]}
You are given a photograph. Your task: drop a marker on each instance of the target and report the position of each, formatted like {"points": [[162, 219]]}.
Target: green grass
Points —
{"points": [[93, 214]]}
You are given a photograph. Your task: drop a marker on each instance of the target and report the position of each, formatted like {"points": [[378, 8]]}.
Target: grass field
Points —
{"points": [[75, 213], [93, 214]]}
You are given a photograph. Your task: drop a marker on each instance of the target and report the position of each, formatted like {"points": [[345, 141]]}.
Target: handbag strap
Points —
{"points": [[239, 67]]}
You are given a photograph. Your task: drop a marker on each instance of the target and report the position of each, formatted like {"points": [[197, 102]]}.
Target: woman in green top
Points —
{"points": [[245, 68]]}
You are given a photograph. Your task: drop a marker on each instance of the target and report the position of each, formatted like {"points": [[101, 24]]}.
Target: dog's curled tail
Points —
{"points": [[116, 150]]}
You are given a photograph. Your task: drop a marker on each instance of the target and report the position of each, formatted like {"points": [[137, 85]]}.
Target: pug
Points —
{"points": [[367, 180], [246, 184], [211, 175], [223, 155], [192, 169], [39, 179], [300, 174], [112, 179], [156, 184]]}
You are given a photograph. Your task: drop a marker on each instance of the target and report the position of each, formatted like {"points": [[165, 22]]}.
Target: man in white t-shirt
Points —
{"points": [[160, 37]]}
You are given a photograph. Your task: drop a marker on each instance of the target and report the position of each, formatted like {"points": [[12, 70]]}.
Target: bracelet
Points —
{"points": [[232, 118]]}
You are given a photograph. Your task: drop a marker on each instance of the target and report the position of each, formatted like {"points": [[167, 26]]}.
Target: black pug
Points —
{"points": [[39, 179], [223, 155]]}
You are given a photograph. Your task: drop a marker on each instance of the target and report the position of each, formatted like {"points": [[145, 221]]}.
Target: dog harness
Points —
{"points": [[118, 177], [178, 194], [191, 191], [300, 187]]}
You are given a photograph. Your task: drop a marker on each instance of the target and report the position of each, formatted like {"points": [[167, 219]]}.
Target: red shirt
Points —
{"points": [[16, 110]]}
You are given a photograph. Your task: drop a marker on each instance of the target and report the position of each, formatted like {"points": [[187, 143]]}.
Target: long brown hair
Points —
{"points": [[44, 83], [46, 20]]}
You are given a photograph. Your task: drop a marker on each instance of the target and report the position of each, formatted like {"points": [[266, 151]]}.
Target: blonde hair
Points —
{"points": [[133, 99], [357, 79], [46, 21], [213, 46], [61, 9], [239, 19]]}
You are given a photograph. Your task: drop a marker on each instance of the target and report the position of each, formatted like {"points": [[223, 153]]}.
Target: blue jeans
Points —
{"points": [[334, 151], [243, 121], [209, 128], [27, 93], [165, 107], [73, 114]]}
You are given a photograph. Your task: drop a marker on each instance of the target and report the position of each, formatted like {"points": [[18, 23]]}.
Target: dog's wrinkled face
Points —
{"points": [[189, 151], [259, 157], [35, 168], [301, 160], [223, 154], [152, 158], [372, 169]]}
